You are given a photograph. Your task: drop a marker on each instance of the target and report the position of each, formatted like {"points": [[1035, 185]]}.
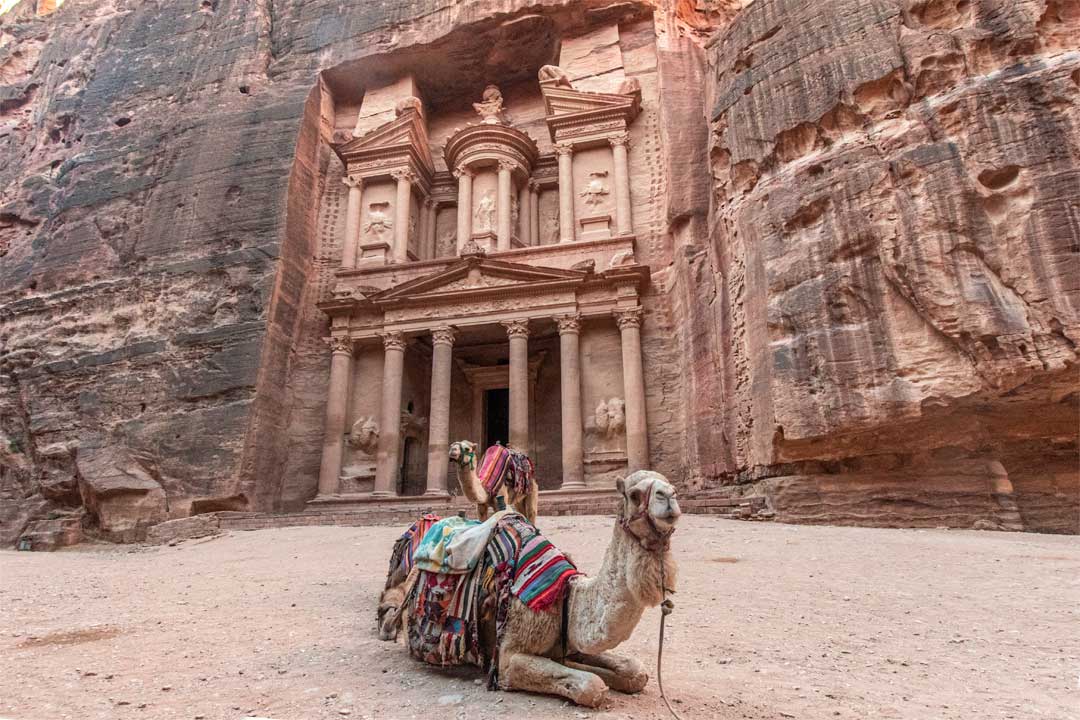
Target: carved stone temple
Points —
{"points": [[488, 286]]}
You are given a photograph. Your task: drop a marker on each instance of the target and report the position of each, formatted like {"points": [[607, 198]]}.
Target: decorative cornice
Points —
{"points": [[569, 324], [443, 336], [340, 345], [393, 340], [516, 328], [628, 318]]}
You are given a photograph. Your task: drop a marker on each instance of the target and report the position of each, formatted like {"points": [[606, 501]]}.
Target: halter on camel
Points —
{"points": [[658, 543]]}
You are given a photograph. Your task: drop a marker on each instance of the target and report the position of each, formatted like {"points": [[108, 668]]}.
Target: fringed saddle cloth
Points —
{"points": [[505, 466], [406, 544], [518, 562]]}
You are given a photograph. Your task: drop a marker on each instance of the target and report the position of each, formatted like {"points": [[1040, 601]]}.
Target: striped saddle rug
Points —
{"points": [[504, 465]]}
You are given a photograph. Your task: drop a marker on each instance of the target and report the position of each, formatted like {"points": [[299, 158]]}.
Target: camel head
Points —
{"points": [[463, 452], [390, 602], [648, 508]]}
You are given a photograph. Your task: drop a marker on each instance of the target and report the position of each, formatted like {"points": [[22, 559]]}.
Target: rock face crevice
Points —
{"points": [[865, 300]]}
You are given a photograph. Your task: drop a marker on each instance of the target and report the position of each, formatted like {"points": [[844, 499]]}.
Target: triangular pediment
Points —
{"points": [[473, 276], [403, 132], [567, 101]]}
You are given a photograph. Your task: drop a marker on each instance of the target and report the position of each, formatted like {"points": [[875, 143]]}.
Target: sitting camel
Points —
{"points": [[602, 611], [463, 453]]}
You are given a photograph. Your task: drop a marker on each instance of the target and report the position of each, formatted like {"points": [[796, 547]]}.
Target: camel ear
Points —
{"points": [[620, 485]]}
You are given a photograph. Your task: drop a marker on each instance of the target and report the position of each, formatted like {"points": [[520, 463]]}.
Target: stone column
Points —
{"points": [[432, 215], [637, 439], [464, 205], [442, 343], [534, 212], [518, 330], [386, 456], [570, 383], [502, 206], [624, 223], [566, 191], [402, 212], [337, 405], [524, 215], [352, 221]]}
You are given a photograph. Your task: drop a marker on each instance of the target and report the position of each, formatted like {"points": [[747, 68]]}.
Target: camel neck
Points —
{"points": [[605, 608]]}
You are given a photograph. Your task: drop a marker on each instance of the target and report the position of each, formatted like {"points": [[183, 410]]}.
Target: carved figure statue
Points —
{"points": [[491, 107], [602, 609], [378, 222], [408, 103], [485, 212], [629, 86], [554, 75], [625, 257], [364, 435], [610, 418], [595, 189]]}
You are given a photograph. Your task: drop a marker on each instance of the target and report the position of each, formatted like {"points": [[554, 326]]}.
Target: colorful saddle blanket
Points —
{"points": [[518, 562], [505, 466], [406, 544]]}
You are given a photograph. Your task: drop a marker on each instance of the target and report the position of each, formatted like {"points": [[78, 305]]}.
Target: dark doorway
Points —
{"points": [[412, 479], [497, 411]]}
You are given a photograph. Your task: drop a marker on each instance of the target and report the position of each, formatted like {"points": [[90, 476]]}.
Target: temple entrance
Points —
{"points": [[497, 417], [412, 480]]}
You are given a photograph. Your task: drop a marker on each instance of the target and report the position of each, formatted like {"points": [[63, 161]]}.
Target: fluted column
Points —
{"points": [[624, 223], [534, 212], [573, 468], [502, 206], [442, 344], [432, 216], [402, 212], [337, 405], [388, 449], [637, 439], [524, 215], [518, 330], [352, 221], [566, 191], [464, 206]]}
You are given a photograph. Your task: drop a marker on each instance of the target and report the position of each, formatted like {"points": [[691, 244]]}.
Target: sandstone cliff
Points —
{"points": [[872, 243]]}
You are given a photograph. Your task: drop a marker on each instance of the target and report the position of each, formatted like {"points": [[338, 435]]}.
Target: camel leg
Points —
{"points": [[539, 674], [532, 500], [482, 511], [623, 674]]}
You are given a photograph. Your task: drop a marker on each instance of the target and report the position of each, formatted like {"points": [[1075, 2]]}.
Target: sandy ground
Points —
{"points": [[771, 621]]}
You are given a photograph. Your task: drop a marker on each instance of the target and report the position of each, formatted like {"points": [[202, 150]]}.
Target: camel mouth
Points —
{"points": [[455, 451]]}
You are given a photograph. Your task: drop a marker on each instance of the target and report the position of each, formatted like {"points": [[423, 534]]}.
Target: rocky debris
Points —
{"points": [[121, 494], [52, 534]]}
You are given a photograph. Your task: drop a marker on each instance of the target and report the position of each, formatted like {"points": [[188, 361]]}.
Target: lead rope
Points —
{"points": [[665, 609]]}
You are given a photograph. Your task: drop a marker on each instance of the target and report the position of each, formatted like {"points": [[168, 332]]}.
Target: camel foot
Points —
{"points": [[622, 674], [533, 673]]}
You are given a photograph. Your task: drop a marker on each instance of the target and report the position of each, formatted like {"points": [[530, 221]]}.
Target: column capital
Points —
{"points": [[534, 187], [564, 148], [569, 324], [429, 202], [340, 345], [352, 181], [628, 318], [443, 335], [516, 328], [508, 165], [620, 139], [461, 171], [393, 340], [403, 174]]}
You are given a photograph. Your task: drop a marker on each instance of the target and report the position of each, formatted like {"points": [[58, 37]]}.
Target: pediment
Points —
{"points": [[403, 132], [478, 277], [567, 101]]}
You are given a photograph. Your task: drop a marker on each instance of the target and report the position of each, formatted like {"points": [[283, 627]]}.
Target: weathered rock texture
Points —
{"points": [[875, 307]]}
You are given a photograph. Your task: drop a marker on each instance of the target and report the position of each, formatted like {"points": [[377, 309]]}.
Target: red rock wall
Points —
{"points": [[892, 272]]}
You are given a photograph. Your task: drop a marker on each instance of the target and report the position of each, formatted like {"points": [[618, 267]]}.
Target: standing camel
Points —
{"points": [[463, 453], [602, 611]]}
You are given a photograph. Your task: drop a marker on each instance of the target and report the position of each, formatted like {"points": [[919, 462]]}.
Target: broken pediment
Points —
{"points": [[572, 112], [401, 141]]}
